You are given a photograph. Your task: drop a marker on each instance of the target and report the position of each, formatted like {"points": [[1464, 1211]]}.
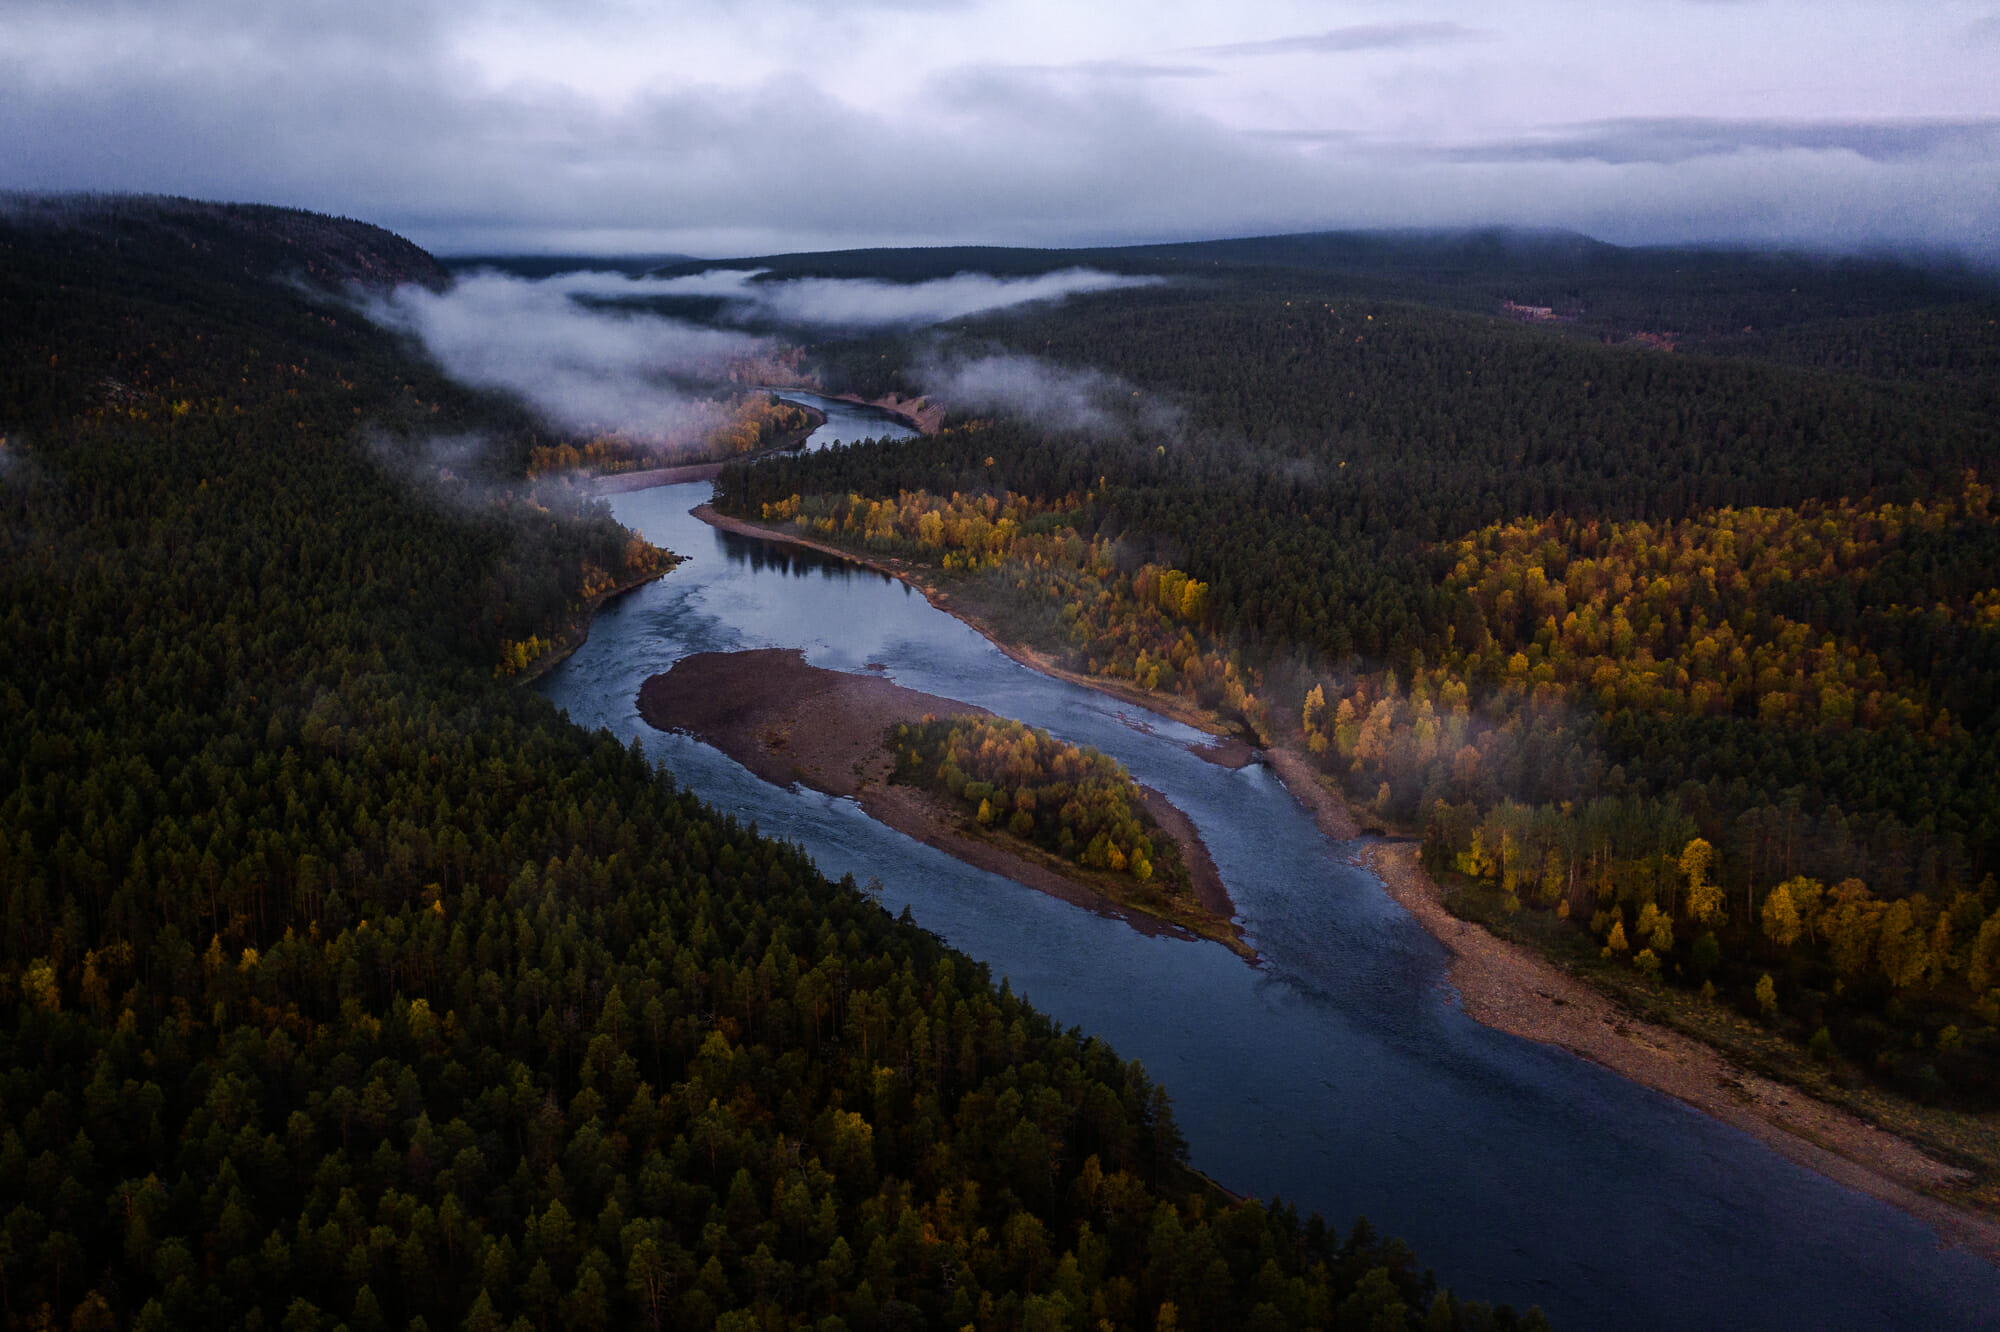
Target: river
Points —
{"points": [[846, 422], [1340, 1073]]}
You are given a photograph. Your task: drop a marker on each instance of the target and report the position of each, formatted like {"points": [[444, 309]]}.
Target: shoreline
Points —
{"points": [[791, 722], [579, 629], [1507, 987], [920, 414], [618, 483], [1175, 708]]}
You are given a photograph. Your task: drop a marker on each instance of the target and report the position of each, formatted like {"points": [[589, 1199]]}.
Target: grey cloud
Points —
{"points": [[851, 302], [1355, 37], [585, 369], [410, 141], [1672, 139], [1051, 396], [447, 470], [1122, 69]]}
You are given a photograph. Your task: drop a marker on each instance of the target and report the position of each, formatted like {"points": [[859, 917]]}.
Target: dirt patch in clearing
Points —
{"points": [[792, 722]]}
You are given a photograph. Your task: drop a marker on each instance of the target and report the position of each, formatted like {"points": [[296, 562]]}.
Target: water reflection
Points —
{"points": [[846, 422], [792, 561]]}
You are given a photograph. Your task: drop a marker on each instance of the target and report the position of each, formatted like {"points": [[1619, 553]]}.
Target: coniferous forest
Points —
{"points": [[347, 984]]}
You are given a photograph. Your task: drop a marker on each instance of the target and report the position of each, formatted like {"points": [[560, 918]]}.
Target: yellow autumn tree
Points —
{"points": [[1807, 896], [1982, 967], [1309, 719], [1781, 917], [1656, 927], [1704, 895], [1900, 947], [1615, 942]]}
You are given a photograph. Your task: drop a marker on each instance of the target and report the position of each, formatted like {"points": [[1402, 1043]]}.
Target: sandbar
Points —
{"points": [[791, 722]]}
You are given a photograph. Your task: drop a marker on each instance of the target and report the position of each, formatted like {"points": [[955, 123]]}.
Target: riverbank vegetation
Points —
{"points": [[342, 983], [730, 427], [1564, 609], [1029, 566], [1071, 800]]}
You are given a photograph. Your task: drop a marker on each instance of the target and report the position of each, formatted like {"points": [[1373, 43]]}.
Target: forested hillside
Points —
{"points": [[343, 983], [1781, 306], [1562, 602]]}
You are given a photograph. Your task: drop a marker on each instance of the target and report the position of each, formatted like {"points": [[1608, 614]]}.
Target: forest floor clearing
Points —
{"points": [[789, 721], [1512, 987]]}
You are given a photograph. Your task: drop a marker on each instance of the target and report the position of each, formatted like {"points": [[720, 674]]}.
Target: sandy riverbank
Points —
{"points": [[1510, 988], [1507, 987], [923, 415], [789, 721]]}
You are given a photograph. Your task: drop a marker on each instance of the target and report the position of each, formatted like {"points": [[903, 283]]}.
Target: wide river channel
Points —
{"points": [[1340, 1072]]}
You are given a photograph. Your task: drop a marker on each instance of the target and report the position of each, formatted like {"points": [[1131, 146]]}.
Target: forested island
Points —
{"points": [[867, 738], [1061, 797], [346, 983]]}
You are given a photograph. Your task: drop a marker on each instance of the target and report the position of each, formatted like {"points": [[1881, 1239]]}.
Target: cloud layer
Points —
{"points": [[585, 369], [1052, 396], [766, 125], [1354, 37], [866, 303], [576, 348]]}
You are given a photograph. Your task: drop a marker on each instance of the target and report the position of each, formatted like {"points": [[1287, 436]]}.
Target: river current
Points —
{"points": [[1340, 1073]]}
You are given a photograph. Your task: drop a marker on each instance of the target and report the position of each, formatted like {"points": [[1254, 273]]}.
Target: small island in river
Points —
{"points": [[792, 722]]}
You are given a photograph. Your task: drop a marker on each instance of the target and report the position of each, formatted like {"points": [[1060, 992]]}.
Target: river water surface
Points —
{"points": [[1340, 1073]]}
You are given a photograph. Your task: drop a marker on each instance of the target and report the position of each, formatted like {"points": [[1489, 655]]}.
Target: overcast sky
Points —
{"points": [[750, 126]]}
